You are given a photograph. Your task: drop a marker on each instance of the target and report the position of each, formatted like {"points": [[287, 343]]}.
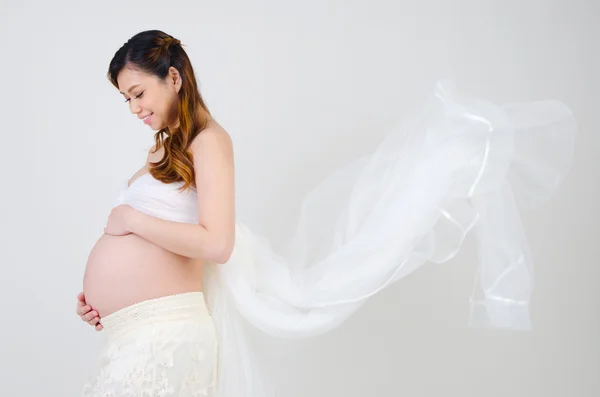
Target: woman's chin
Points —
{"points": [[154, 126]]}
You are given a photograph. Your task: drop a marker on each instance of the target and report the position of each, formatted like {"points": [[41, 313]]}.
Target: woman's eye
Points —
{"points": [[137, 97]]}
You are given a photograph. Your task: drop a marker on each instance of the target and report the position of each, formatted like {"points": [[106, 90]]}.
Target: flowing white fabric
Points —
{"points": [[459, 164]]}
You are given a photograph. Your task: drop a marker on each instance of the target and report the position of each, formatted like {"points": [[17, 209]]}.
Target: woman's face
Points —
{"points": [[150, 96]]}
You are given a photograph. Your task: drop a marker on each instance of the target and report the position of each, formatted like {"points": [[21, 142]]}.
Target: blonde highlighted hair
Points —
{"points": [[154, 52]]}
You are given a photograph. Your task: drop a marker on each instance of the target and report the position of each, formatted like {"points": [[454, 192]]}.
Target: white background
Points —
{"points": [[292, 82]]}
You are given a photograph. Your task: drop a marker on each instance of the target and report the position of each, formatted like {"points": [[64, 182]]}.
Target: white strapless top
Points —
{"points": [[160, 200]]}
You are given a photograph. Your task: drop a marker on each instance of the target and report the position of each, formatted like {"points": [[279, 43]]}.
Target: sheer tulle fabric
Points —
{"points": [[459, 165]]}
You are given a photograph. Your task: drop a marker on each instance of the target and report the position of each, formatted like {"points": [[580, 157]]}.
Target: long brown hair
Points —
{"points": [[154, 52]]}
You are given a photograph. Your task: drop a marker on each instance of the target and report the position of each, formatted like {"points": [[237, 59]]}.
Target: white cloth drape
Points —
{"points": [[459, 165]]}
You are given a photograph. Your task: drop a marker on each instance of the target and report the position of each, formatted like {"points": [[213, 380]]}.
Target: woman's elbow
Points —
{"points": [[223, 256], [224, 253]]}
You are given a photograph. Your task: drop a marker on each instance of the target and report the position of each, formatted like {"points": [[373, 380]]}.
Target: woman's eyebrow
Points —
{"points": [[130, 88]]}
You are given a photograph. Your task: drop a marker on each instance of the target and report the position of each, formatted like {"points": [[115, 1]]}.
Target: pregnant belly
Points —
{"points": [[123, 270]]}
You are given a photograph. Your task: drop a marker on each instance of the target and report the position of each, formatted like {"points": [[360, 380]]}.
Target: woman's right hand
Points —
{"points": [[86, 313]]}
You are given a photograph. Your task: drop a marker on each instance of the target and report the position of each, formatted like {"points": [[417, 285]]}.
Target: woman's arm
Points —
{"points": [[186, 239], [213, 237]]}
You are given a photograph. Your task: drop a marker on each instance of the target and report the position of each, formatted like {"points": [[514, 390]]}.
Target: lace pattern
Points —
{"points": [[172, 351]]}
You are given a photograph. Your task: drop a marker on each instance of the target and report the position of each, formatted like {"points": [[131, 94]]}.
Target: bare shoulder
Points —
{"points": [[213, 138]]}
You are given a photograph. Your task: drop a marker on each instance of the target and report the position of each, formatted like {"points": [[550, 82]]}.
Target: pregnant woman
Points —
{"points": [[176, 279], [144, 275]]}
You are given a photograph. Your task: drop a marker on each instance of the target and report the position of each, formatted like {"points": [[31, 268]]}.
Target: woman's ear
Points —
{"points": [[174, 79]]}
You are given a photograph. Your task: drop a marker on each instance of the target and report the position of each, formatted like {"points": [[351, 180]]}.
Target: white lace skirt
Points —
{"points": [[160, 347]]}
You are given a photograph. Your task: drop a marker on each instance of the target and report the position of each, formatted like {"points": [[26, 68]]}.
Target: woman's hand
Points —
{"points": [[116, 224], [86, 313]]}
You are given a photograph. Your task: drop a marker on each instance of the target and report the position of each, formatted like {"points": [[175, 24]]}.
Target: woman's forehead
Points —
{"points": [[129, 78]]}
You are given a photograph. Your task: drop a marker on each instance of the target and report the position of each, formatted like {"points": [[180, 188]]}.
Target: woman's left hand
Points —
{"points": [[116, 224]]}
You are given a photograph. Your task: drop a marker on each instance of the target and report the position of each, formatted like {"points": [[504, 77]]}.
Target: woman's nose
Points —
{"points": [[134, 107]]}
